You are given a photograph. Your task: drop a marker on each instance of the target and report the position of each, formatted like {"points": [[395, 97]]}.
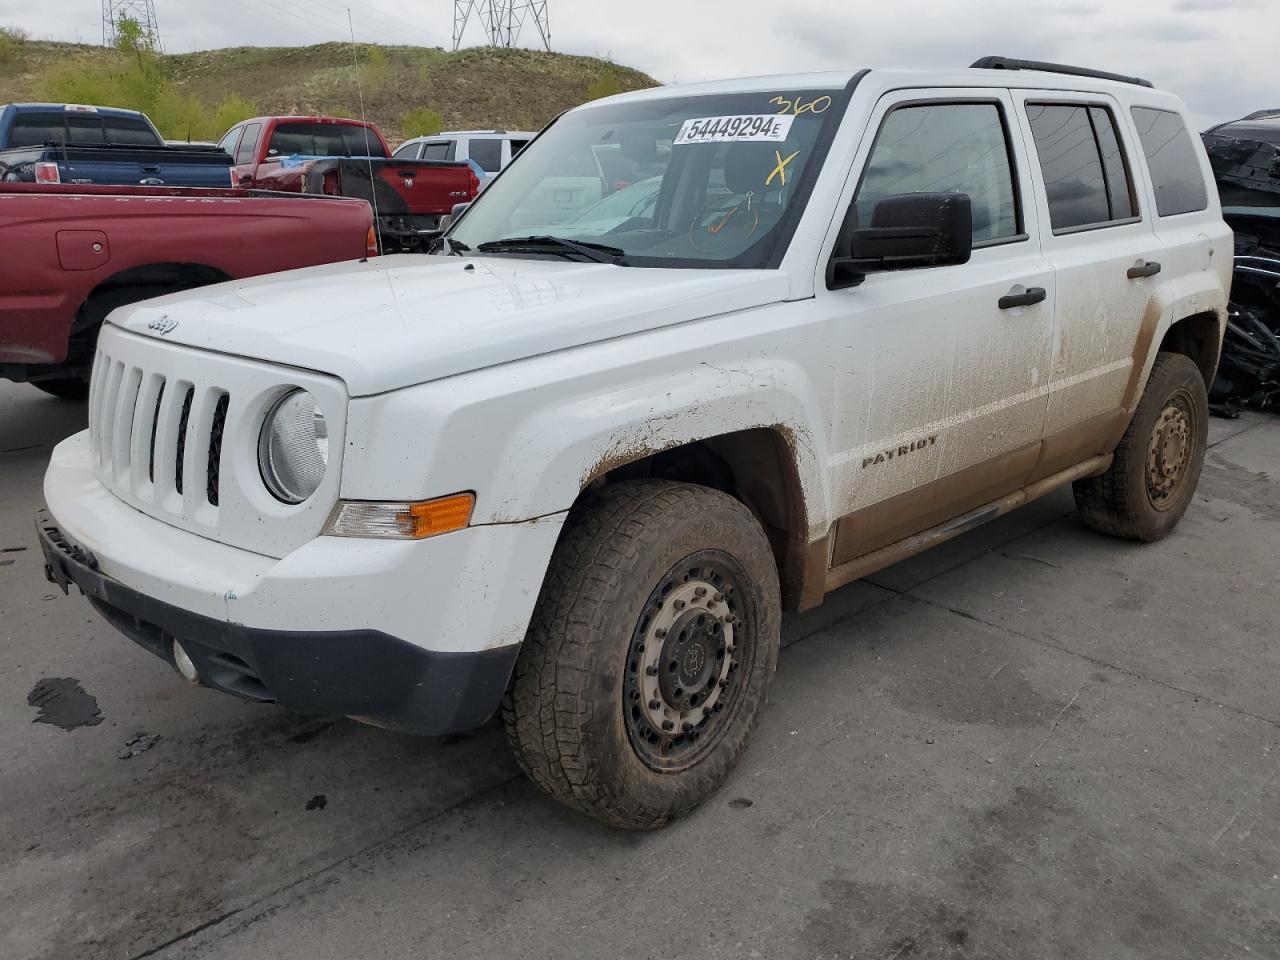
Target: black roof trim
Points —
{"points": [[1009, 63]]}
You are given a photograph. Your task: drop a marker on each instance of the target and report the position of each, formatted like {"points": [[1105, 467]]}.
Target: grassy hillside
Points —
{"points": [[478, 87]]}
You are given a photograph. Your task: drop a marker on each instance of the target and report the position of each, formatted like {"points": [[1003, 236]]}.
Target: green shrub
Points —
{"points": [[605, 85], [421, 122]]}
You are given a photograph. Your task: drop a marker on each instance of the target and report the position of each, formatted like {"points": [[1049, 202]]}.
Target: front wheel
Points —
{"points": [[649, 655], [1152, 479]]}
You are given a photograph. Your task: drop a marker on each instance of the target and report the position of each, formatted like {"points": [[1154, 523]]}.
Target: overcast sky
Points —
{"points": [[1219, 55]]}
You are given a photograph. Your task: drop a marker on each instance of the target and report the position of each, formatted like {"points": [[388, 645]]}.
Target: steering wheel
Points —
{"points": [[734, 219]]}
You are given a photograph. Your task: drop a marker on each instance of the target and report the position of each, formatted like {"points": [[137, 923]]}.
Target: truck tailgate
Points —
{"points": [[399, 187]]}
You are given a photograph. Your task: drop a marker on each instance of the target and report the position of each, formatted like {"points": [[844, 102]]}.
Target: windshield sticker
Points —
{"points": [[780, 169], [745, 128], [798, 106]]}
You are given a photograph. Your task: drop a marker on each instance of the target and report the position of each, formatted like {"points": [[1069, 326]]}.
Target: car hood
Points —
{"points": [[394, 321]]}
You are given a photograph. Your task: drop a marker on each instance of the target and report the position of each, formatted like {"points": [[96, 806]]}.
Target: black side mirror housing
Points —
{"points": [[447, 220], [907, 231]]}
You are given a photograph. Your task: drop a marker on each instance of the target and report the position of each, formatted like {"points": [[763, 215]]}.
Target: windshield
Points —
{"points": [[715, 181]]}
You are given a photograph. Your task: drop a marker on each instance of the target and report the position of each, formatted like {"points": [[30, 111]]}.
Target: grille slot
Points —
{"points": [[155, 425], [215, 448], [183, 422]]}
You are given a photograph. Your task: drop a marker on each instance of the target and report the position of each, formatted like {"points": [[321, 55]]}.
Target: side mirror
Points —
{"points": [[447, 220], [907, 231]]}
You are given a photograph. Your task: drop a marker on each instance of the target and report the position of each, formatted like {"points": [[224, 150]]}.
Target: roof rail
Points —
{"points": [[1261, 115], [1009, 63]]}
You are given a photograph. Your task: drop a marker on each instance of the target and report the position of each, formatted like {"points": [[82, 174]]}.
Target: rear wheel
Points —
{"points": [[649, 655], [1153, 477], [67, 388]]}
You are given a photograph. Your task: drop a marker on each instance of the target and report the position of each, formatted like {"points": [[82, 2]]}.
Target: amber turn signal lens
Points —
{"points": [[401, 521], [441, 516]]}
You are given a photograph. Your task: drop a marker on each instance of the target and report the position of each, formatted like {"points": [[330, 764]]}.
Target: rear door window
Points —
{"points": [[249, 143], [1085, 175], [487, 153], [439, 150], [945, 148], [1172, 160]]}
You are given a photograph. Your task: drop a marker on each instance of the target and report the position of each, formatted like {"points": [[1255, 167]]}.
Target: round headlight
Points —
{"points": [[293, 448]]}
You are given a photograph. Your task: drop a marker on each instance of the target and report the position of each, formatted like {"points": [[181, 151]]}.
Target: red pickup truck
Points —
{"points": [[350, 158], [70, 254]]}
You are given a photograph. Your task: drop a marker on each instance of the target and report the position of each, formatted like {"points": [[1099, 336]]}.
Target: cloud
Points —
{"points": [[1212, 6]]}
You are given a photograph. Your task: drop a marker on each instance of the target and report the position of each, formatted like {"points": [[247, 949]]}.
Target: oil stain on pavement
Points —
{"points": [[64, 703]]}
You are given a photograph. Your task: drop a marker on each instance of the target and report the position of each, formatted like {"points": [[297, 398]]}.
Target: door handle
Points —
{"points": [[1026, 299], [150, 168], [1144, 268]]}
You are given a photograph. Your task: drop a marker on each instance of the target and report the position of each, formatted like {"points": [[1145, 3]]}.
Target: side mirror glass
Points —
{"points": [[907, 231]]}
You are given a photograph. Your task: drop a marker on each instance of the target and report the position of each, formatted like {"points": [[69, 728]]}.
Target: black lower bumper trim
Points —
{"points": [[365, 674]]}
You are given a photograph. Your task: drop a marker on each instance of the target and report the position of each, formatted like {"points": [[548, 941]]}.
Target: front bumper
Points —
{"points": [[365, 674]]}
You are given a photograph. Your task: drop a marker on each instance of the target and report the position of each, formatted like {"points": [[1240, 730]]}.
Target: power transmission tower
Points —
{"points": [[501, 20], [143, 11]]}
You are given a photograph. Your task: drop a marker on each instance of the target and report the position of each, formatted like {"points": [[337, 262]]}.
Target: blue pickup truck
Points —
{"points": [[70, 143]]}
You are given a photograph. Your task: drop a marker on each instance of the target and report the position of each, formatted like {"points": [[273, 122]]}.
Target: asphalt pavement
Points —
{"points": [[1030, 743]]}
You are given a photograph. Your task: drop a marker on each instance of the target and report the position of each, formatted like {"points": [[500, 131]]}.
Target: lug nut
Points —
{"points": [[651, 671], [668, 725], [654, 704], [660, 633], [679, 604], [700, 591]]}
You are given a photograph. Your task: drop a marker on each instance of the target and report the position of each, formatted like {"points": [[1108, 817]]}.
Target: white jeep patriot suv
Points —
{"points": [[578, 479]]}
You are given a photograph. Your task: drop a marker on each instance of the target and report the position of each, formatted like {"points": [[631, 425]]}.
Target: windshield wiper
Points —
{"points": [[451, 248], [595, 252]]}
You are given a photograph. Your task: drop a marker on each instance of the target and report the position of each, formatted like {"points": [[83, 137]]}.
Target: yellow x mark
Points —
{"points": [[780, 171]]}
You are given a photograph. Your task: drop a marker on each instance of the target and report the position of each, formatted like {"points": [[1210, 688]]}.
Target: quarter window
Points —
{"points": [[1172, 160], [1085, 175], [408, 151], [945, 148]]}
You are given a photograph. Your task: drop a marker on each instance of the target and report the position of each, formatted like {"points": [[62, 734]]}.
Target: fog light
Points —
{"points": [[185, 665]]}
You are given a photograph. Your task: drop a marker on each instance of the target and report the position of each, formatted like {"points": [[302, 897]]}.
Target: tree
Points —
{"points": [[605, 85], [421, 122]]}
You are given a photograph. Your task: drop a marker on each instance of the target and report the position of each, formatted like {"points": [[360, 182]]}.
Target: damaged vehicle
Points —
{"points": [[1245, 156], [577, 477]]}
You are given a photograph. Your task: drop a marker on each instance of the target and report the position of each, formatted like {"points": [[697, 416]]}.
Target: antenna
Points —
{"points": [[368, 153], [143, 11], [502, 20]]}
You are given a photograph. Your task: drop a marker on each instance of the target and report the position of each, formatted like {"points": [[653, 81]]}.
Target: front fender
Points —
{"points": [[528, 437]]}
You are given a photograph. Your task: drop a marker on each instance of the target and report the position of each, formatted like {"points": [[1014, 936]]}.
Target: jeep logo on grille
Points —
{"points": [[162, 324]]}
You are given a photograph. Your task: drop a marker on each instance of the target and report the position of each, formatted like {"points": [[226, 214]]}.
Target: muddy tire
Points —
{"points": [[1149, 485], [66, 388], [649, 655]]}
